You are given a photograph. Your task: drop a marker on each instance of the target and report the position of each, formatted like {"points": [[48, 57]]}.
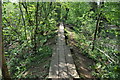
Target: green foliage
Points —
{"points": [[106, 53], [26, 34], [20, 35], [111, 12]]}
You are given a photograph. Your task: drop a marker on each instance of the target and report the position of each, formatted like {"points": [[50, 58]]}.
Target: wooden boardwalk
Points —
{"points": [[62, 65]]}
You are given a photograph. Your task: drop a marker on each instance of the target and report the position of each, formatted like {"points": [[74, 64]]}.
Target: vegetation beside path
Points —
{"points": [[29, 29]]}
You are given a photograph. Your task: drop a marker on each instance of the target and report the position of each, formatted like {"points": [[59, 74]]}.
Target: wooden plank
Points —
{"points": [[53, 71], [70, 64], [62, 64], [61, 36], [61, 28], [61, 39]]}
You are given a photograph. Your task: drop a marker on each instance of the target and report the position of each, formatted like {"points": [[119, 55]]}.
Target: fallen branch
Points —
{"points": [[106, 55]]}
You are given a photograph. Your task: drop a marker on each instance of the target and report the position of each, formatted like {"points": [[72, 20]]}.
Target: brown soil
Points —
{"points": [[82, 62], [38, 71], [41, 69]]}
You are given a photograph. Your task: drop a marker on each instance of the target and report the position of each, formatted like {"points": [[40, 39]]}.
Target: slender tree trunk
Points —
{"points": [[28, 15], [5, 71], [22, 14], [0, 40], [3, 67], [97, 24], [8, 23], [25, 30], [35, 31], [96, 30]]}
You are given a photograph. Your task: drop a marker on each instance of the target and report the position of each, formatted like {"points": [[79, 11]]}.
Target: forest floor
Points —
{"points": [[40, 68], [81, 61]]}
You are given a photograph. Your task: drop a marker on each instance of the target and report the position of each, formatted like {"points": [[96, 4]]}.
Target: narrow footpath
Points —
{"points": [[62, 65]]}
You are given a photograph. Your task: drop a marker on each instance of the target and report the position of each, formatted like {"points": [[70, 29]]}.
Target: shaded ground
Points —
{"points": [[38, 71], [40, 68], [82, 62]]}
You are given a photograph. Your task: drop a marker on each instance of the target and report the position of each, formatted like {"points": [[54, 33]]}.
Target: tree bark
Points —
{"points": [[3, 67], [22, 14], [23, 21], [96, 30], [28, 15], [97, 25], [0, 40], [35, 31]]}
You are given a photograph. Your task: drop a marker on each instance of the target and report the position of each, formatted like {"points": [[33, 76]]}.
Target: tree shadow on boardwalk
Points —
{"points": [[62, 65]]}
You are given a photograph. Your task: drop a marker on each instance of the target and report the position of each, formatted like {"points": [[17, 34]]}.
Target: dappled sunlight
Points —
{"points": [[64, 66], [65, 40]]}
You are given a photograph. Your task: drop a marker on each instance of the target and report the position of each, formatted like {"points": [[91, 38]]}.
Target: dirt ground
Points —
{"points": [[81, 61], [41, 69]]}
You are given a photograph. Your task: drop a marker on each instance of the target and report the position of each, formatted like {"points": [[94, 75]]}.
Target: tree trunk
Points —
{"points": [[3, 67], [97, 24], [96, 30], [0, 40], [25, 30], [5, 71], [28, 15], [35, 31]]}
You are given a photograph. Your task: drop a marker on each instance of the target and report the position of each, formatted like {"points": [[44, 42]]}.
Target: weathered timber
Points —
{"points": [[62, 66]]}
